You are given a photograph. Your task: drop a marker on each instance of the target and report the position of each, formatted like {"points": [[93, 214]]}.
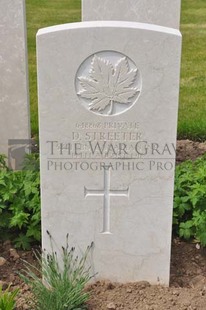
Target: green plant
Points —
{"points": [[189, 216], [7, 299], [3, 165], [20, 203], [31, 162], [62, 287]]}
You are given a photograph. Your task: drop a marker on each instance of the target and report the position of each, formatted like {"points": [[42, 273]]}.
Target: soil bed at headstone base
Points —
{"points": [[187, 289]]}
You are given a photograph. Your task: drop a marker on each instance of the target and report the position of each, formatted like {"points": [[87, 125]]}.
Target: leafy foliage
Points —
{"points": [[20, 203], [7, 299], [63, 283], [189, 217], [108, 84]]}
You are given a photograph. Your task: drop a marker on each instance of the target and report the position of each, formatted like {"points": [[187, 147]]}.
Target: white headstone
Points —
{"points": [[14, 101], [108, 100], [160, 12]]}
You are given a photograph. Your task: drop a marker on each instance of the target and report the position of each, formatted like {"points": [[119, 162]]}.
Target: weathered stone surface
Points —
{"points": [[108, 101], [14, 100], [160, 12]]}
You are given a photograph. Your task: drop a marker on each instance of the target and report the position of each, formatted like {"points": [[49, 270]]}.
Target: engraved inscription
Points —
{"points": [[108, 84], [106, 193]]}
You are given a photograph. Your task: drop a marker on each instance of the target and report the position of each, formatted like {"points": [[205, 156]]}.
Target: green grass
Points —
{"points": [[192, 111], [44, 13]]}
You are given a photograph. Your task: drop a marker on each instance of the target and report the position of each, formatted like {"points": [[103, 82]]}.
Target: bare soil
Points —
{"points": [[187, 149], [187, 289]]}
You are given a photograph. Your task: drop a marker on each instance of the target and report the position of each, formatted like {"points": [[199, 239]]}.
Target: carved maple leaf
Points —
{"points": [[108, 84]]}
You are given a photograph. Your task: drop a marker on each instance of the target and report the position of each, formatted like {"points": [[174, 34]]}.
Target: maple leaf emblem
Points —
{"points": [[108, 84]]}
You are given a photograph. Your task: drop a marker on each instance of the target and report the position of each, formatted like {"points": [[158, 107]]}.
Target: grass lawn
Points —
{"points": [[192, 111], [44, 13]]}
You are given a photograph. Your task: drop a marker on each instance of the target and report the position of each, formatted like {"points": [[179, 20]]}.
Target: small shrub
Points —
{"points": [[7, 299], [20, 203], [62, 287], [3, 165], [189, 216]]}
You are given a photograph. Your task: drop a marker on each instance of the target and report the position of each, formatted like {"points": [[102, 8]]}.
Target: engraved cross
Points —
{"points": [[106, 193]]}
